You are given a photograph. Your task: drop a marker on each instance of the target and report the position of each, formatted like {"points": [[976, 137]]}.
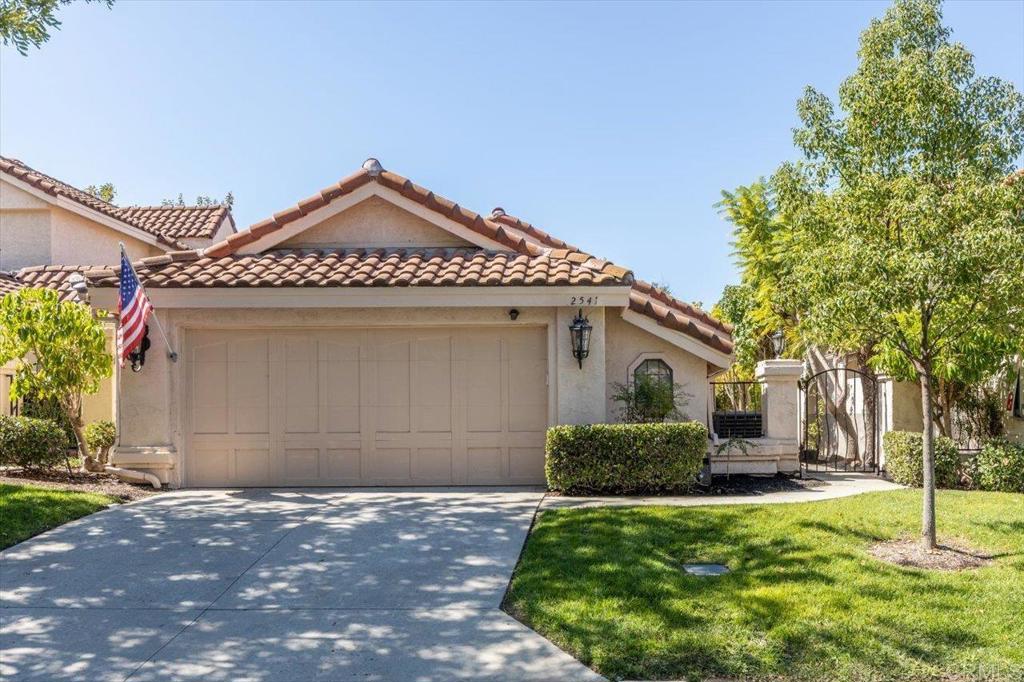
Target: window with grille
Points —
{"points": [[654, 371]]}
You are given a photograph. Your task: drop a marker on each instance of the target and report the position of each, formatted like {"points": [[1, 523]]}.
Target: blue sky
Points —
{"points": [[612, 126]]}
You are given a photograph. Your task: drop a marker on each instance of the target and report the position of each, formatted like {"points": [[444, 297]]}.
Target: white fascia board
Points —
{"points": [[91, 214], [372, 297], [371, 189], [684, 341]]}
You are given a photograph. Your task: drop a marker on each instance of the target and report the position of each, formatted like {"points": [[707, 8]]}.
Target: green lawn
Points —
{"points": [[27, 510], [804, 599]]}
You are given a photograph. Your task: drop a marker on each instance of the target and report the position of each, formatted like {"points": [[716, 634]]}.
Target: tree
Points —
{"points": [[59, 351], [27, 23], [105, 192], [762, 304], [201, 200], [907, 211]]}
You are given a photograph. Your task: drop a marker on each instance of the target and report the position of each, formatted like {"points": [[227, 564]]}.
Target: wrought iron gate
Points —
{"points": [[839, 426]]}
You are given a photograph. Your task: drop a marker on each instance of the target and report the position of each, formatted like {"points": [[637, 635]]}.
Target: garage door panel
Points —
{"points": [[249, 384], [480, 355], [252, 467], [301, 393], [367, 407], [391, 464], [484, 465], [340, 376], [432, 384], [527, 378], [301, 465], [210, 464], [432, 465], [393, 384], [523, 463], [210, 388], [342, 465]]}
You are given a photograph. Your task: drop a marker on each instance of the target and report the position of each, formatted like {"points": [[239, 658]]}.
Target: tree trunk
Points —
{"points": [[869, 386], [928, 463], [73, 412]]}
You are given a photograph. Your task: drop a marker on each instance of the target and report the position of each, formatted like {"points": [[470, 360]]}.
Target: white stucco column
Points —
{"points": [[780, 397], [581, 392]]}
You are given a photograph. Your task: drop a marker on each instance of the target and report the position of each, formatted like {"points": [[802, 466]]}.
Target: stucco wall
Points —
{"points": [[374, 223], [36, 232], [627, 342], [100, 405], [24, 238], [76, 240]]}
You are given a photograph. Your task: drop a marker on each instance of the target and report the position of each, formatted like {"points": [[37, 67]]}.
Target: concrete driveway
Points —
{"points": [[314, 584]]}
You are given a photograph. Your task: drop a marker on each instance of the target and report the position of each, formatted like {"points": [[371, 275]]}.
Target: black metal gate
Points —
{"points": [[839, 421]]}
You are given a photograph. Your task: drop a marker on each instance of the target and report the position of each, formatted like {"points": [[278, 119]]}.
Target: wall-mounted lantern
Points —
{"points": [[778, 343], [579, 333]]}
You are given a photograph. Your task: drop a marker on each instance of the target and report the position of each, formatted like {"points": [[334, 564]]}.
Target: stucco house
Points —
{"points": [[374, 333]]}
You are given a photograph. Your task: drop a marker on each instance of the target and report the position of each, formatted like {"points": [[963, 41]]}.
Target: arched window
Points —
{"points": [[653, 370]]}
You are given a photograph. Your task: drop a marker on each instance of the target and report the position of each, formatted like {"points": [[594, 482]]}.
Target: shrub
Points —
{"points": [[624, 458], [101, 435], [48, 408], [1000, 466], [904, 459], [647, 400], [29, 442]]}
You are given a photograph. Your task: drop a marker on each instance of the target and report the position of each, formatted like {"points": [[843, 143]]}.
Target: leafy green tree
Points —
{"points": [[201, 200], [907, 212], [59, 351], [27, 23], [105, 192]]}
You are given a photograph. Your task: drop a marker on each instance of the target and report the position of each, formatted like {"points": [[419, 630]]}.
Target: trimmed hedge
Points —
{"points": [[29, 442], [624, 458], [1000, 466], [904, 459]]}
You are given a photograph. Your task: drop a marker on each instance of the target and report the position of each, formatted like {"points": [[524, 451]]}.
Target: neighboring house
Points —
{"points": [[50, 230], [376, 333]]}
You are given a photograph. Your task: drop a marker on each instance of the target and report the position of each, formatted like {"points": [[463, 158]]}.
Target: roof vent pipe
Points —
{"points": [[373, 167]]}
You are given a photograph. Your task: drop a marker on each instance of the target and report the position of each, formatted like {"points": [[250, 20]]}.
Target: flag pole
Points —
{"points": [[171, 353]]}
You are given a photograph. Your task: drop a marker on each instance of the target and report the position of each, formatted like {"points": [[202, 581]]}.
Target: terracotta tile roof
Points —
{"points": [[514, 233], [645, 298], [167, 223], [8, 283], [177, 222], [399, 267], [52, 277]]}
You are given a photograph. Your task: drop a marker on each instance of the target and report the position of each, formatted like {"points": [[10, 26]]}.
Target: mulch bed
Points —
{"points": [[742, 484], [946, 558], [78, 481]]}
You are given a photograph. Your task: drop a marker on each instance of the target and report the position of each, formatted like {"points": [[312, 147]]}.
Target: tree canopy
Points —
{"points": [[27, 23], [58, 350], [901, 228]]}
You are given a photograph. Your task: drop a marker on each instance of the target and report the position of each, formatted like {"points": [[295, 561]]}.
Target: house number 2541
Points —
{"points": [[583, 300]]}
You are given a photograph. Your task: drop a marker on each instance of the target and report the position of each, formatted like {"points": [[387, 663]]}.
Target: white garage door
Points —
{"points": [[367, 407]]}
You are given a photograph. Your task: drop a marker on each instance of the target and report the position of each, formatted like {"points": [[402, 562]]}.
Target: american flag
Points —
{"points": [[133, 309]]}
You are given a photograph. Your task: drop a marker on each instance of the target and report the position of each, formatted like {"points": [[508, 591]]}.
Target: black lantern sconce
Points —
{"points": [[579, 333], [138, 356], [778, 343]]}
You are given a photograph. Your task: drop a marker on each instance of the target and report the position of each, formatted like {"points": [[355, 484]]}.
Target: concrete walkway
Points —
{"points": [[278, 585], [835, 485]]}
